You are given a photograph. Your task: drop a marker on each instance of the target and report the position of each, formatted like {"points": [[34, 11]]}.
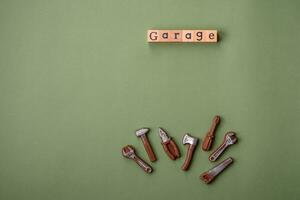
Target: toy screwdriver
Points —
{"points": [[210, 136], [169, 145]]}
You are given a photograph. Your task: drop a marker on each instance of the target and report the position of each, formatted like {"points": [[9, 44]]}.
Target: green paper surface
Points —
{"points": [[77, 78]]}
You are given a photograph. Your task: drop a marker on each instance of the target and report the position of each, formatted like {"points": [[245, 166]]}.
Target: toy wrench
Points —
{"points": [[129, 152], [229, 139], [169, 145]]}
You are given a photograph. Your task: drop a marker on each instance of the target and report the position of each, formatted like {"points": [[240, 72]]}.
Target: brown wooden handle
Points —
{"points": [[171, 149], [148, 148], [167, 150], [207, 143], [210, 135], [174, 149], [188, 158]]}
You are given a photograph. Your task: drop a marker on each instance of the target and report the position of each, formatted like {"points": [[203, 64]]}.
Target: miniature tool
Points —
{"points": [[142, 134], [211, 174], [229, 139], [129, 152], [210, 136], [192, 142], [169, 145]]}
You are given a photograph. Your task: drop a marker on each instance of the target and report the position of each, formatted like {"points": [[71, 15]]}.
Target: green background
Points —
{"points": [[77, 78]]}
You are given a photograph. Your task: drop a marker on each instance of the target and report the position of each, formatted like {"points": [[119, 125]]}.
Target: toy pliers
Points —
{"points": [[169, 145]]}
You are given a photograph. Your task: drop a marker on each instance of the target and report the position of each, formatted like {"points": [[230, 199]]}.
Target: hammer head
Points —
{"points": [[142, 131], [188, 139]]}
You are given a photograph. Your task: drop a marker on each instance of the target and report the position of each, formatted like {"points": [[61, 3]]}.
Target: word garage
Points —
{"points": [[182, 36]]}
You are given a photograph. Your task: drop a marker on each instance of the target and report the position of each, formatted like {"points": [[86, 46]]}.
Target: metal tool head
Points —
{"points": [[230, 138], [142, 131], [188, 139], [163, 135], [128, 151]]}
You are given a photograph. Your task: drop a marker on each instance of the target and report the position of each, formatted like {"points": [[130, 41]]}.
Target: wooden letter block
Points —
{"points": [[170, 36], [153, 35], [205, 36], [188, 36], [182, 36]]}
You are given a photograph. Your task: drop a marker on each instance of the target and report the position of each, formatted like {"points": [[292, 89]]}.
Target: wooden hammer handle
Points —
{"points": [[209, 138], [188, 157], [148, 148]]}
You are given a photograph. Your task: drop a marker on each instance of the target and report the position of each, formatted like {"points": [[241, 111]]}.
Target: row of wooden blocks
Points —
{"points": [[182, 36]]}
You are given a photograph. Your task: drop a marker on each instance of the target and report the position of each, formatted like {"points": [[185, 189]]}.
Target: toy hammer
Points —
{"points": [[142, 134]]}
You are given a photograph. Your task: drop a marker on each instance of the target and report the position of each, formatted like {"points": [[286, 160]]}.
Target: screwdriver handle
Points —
{"points": [[210, 135]]}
